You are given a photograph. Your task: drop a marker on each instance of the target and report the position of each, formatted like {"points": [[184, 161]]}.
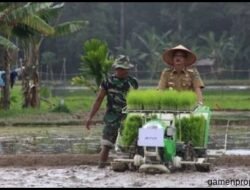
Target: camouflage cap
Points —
{"points": [[122, 62]]}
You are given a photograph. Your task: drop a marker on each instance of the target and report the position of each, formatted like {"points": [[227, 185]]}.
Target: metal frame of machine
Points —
{"points": [[157, 149]]}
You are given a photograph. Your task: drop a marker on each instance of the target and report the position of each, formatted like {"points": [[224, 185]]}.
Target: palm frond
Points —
{"points": [[51, 12], [38, 24], [69, 27], [22, 12], [7, 44]]}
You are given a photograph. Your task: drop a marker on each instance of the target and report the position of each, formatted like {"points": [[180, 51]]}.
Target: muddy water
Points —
{"points": [[229, 137], [43, 168], [41, 139], [226, 134]]}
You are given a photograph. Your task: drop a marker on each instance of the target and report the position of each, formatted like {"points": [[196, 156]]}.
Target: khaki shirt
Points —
{"points": [[188, 79]]}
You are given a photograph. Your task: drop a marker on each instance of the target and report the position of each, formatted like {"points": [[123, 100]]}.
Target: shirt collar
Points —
{"points": [[183, 70]]}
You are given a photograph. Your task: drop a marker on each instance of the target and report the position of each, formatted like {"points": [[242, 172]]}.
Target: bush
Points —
{"points": [[61, 107]]}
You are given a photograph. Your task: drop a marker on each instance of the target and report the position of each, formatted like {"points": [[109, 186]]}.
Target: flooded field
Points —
{"points": [[66, 156], [75, 139], [49, 139]]}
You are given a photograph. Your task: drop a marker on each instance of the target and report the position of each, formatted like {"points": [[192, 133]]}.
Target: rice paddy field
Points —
{"points": [[42, 148]]}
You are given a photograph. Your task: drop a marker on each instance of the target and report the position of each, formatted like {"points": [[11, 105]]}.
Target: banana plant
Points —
{"points": [[217, 48], [32, 48], [154, 45], [11, 16]]}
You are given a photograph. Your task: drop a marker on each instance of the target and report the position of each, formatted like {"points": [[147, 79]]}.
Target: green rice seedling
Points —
{"points": [[186, 100], [169, 99], [151, 99], [182, 129], [191, 129], [130, 129], [133, 99], [198, 125]]}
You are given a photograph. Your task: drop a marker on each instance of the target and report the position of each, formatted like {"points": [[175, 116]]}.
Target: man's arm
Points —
{"points": [[96, 106], [199, 95], [162, 82], [198, 85]]}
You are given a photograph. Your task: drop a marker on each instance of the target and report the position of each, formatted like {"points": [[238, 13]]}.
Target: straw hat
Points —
{"points": [[167, 56]]}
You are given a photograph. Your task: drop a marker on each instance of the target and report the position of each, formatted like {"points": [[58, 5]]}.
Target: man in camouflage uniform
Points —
{"points": [[115, 88], [181, 76]]}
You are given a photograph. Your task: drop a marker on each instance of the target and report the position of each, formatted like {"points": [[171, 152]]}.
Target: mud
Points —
{"points": [[80, 170], [39, 160], [91, 176]]}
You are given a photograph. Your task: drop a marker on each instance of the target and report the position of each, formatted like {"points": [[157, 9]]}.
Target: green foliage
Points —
{"points": [[7, 43], [61, 107], [191, 129], [13, 99], [45, 92], [130, 129], [80, 80], [69, 27], [141, 40], [96, 62]]}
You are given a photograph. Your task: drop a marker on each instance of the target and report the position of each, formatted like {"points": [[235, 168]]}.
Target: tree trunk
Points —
{"points": [[6, 89], [26, 77], [35, 91], [122, 25]]}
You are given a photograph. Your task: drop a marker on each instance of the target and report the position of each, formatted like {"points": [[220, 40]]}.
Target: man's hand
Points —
{"points": [[200, 103], [88, 124]]}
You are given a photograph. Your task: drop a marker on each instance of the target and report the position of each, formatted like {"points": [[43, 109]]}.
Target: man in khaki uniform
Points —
{"points": [[179, 76]]}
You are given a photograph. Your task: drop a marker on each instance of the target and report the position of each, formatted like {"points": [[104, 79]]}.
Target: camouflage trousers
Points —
{"points": [[113, 125]]}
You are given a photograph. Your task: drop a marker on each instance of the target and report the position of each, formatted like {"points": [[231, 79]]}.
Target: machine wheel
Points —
{"points": [[205, 167], [119, 166], [201, 152]]}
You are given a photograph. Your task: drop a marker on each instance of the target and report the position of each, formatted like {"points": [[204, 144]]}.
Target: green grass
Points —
{"points": [[83, 101], [237, 99], [74, 102]]}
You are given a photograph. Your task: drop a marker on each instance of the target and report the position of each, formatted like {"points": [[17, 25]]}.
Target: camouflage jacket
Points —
{"points": [[117, 90]]}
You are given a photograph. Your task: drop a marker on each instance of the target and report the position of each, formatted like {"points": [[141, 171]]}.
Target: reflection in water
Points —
{"points": [[76, 139], [49, 145], [64, 139]]}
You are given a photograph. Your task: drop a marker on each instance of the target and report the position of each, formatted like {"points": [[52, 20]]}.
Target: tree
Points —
{"points": [[32, 49], [96, 63], [13, 15], [154, 46], [61, 29], [219, 49]]}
